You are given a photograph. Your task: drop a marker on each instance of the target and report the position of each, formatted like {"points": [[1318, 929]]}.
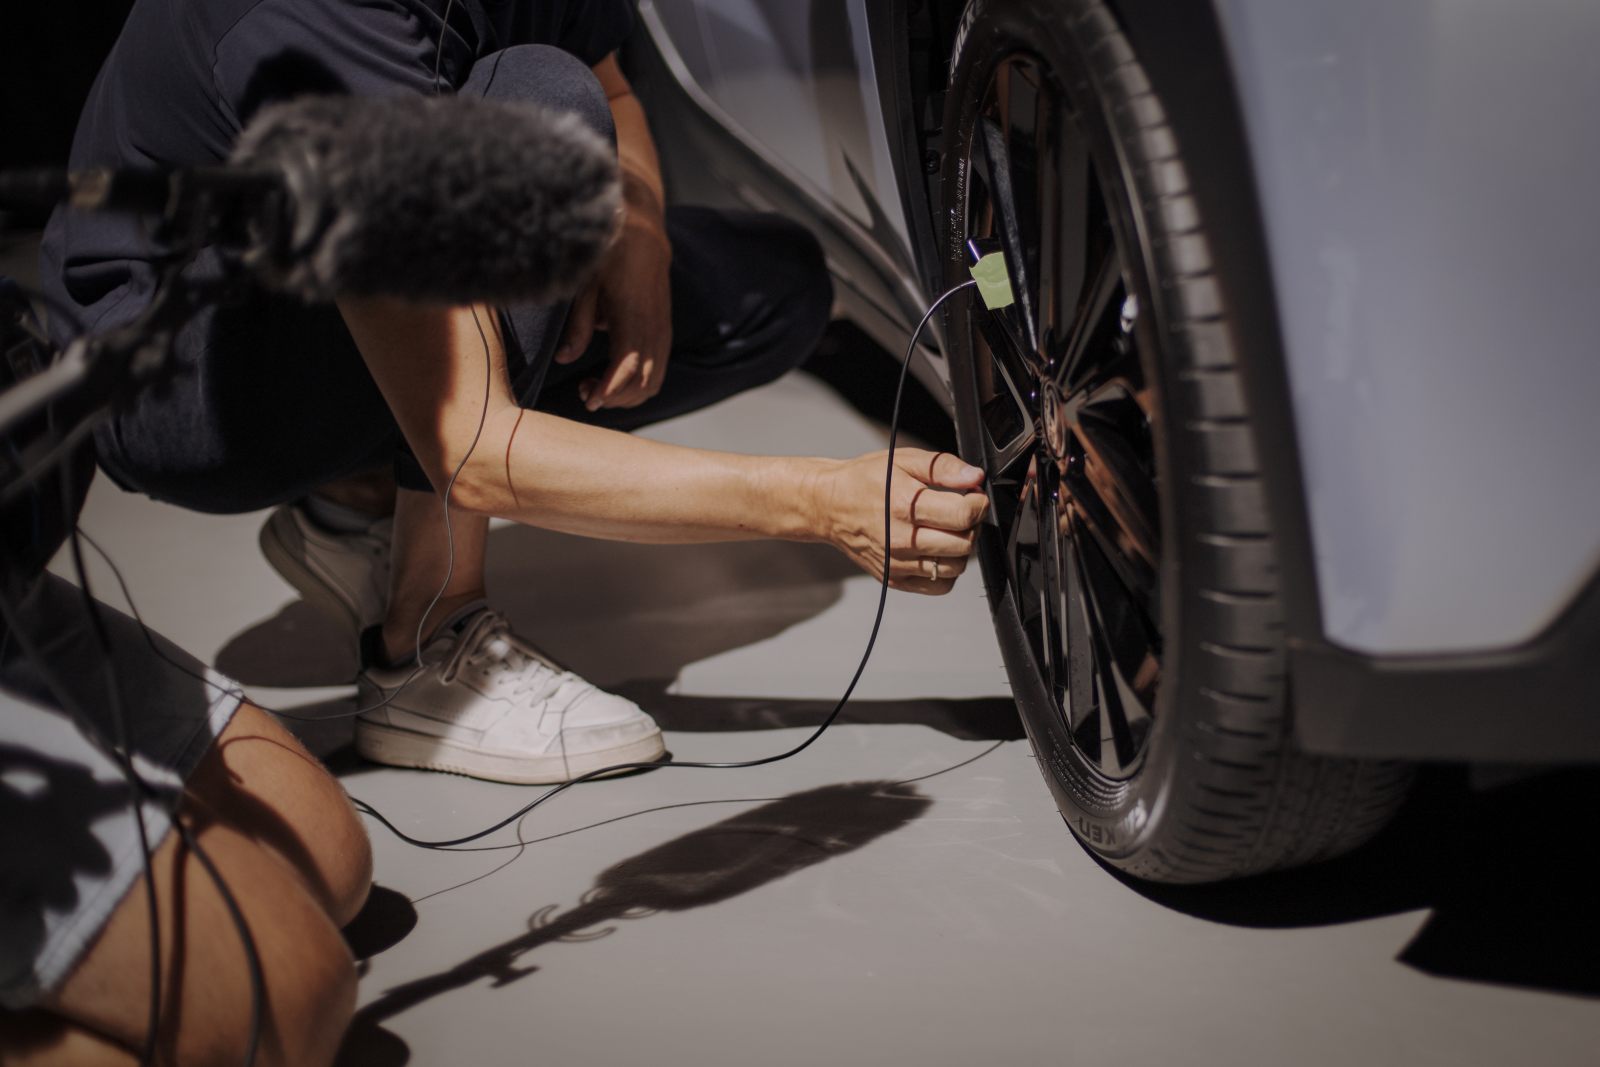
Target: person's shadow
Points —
{"points": [[737, 855]]}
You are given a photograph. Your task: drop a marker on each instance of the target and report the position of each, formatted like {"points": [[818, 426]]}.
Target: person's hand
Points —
{"points": [[630, 298], [934, 509]]}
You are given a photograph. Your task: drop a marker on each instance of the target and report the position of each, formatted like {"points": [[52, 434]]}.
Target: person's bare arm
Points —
{"points": [[630, 296], [546, 471]]}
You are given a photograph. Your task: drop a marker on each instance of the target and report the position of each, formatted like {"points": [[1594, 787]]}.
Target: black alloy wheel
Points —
{"points": [[1130, 567]]}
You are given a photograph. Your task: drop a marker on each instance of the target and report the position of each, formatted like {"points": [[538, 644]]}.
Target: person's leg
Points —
{"points": [[291, 851], [751, 297], [368, 495], [267, 786], [267, 400], [309, 978], [74, 936], [421, 549], [430, 566]]}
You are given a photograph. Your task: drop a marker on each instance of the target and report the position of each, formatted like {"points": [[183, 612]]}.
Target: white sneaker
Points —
{"points": [[487, 704], [344, 574]]}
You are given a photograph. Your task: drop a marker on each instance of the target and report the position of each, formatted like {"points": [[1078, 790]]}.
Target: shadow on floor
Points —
{"points": [[968, 719], [298, 648], [710, 865], [384, 921], [1502, 869], [610, 611]]}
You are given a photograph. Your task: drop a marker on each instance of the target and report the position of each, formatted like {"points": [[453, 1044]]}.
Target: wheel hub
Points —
{"points": [[1055, 418]]}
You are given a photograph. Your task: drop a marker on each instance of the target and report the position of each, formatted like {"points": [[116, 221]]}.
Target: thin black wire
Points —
{"points": [[872, 639], [68, 702], [57, 452], [119, 751], [691, 804], [449, 532], [191, 841], [246, 939], [522, 845], [137, 787]]}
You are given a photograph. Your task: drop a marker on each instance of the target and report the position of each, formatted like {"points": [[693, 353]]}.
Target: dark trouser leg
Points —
{"points": [[750, 299]]}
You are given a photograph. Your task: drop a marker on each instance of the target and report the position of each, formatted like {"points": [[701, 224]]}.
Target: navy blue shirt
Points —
{"points": [[186, 75]]}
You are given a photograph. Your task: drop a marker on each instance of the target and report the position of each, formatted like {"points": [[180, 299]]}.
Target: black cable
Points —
{"points": [[137, 787], [877, 622], [252, 958], [54, 304], [63, 447], [171, 805], [118, 751], [694, 804]]}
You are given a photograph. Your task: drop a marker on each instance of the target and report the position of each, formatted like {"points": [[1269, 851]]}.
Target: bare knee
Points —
{"points": [[305, 994], [306, 998], [260, 780], [314, 1000]]}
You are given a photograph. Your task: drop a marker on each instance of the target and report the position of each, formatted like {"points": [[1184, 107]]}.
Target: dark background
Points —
{"points": [[49, 54]]}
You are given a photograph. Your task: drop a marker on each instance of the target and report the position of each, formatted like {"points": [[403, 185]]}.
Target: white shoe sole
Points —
{"points": [[311, 587], [405, 748]]}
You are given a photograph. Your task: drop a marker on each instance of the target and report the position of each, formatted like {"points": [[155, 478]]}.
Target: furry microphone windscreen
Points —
{"points": [[441, 199]]}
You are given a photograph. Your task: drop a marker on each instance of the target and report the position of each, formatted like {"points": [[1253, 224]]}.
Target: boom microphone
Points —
{"points": [[445, 199], [448, 199]]}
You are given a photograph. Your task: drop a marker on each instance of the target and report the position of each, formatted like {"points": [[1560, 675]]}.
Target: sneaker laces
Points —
{"points": [[488, 645]]}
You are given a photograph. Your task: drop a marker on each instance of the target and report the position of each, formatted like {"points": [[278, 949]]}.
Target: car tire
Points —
{"points": [[1157, 602]]}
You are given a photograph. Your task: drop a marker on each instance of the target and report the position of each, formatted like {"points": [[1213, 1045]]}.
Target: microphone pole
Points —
{"points": [[229, 194], [232, 209]]}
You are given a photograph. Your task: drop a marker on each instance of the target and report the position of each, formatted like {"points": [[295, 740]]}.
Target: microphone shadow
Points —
{"points": [[710, 865], [1501, 869]]}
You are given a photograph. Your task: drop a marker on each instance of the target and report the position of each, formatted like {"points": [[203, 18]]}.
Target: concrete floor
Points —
{"points": [[902, 893]]}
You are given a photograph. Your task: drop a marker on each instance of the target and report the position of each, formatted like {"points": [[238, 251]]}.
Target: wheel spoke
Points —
{"points": [[1096, 322], [1008, 225], [1126, 660], [1136, 576], [1081, 704], [1005, 396], [1029, 570], [1064, 229], [1113, 466]]}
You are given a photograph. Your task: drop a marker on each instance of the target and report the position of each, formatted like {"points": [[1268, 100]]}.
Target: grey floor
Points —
{"points": [[904, 892]]}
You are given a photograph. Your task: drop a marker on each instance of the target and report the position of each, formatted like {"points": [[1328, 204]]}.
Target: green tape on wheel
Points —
{"points": [[994, 281]]}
